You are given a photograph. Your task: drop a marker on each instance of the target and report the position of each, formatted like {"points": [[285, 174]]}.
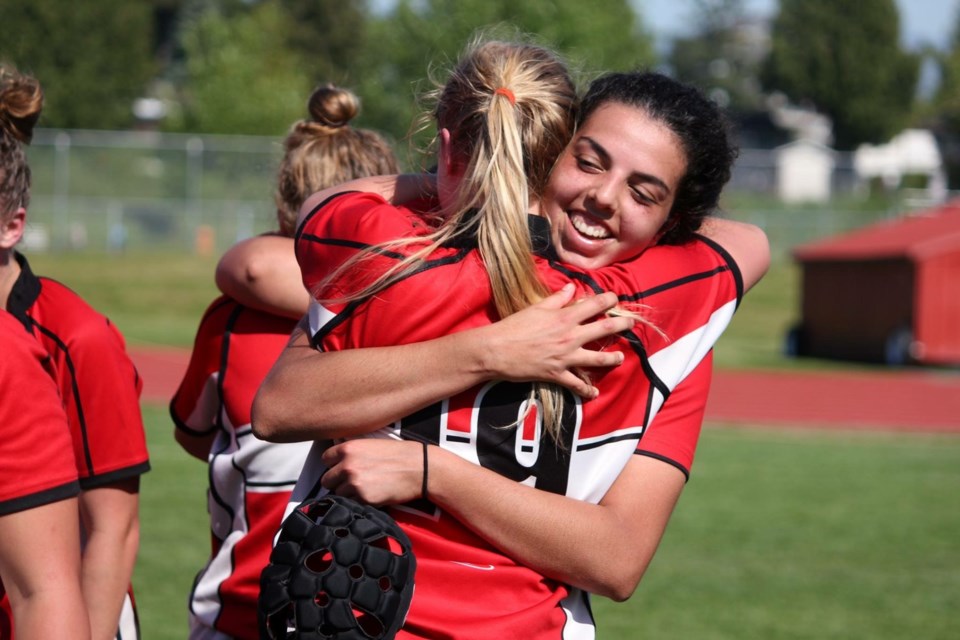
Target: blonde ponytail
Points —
{"points": [[510, 109]]}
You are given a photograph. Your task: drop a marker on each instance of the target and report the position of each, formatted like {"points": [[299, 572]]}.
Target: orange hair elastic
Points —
{"points": [[503, 91]]}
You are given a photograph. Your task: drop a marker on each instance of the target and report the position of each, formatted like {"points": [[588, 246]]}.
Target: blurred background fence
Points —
{"points": [[146, 190]]}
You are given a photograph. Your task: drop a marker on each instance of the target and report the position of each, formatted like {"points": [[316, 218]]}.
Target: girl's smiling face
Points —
{"points": [[613, 187]]}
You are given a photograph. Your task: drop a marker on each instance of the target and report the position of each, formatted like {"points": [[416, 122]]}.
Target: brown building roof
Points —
{"points": [[916, 236]]}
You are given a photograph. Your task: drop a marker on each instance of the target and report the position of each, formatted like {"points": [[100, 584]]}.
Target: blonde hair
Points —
{"points": [[511, 109], [21, 101], [325, 150]]}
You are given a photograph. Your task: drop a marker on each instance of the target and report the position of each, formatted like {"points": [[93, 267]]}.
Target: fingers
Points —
{"points": [[590, 306], [558, 299], [605, 327], [578, 386]]}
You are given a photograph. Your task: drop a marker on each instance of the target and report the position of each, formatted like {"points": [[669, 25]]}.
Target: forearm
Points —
{"points": [[112, 538], [746, 243], [603, 549], [565, 539], [310, 395]]}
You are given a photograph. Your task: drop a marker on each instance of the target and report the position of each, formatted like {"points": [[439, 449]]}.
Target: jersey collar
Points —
{"points": [[26, 290], [540, 237]]}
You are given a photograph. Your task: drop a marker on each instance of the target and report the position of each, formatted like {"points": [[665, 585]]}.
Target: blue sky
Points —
{"points": [[921, 21]]}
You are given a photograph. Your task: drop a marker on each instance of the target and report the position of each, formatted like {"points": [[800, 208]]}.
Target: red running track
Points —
{"points": [[896, 400]]}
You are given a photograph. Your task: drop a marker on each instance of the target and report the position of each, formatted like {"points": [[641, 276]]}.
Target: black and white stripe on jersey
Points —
{"points": [[352, 306], [656, 383]]}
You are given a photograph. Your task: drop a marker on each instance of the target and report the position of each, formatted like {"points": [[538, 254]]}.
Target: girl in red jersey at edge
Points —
{"points": [[39, 528], [496, 557], [101, 393], [251, 480]]}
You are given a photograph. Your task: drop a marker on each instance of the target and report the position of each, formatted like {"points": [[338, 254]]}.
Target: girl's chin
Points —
{"points": [[580, 260]]}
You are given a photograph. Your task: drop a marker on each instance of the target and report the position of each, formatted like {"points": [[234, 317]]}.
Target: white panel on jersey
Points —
{"points": [[318, 316], [675, 362], [579, 624]]}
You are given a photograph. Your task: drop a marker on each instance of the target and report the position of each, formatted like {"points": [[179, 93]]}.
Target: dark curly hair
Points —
{"points": [[697, 122]]}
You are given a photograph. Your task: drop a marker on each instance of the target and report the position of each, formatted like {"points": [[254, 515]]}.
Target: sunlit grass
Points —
{"points": [[779, 534], [158, 298], [154, 298]]}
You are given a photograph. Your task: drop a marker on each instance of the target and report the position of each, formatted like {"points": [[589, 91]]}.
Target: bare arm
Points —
{"points": [[40, 564], [562, 538], [112, 527], [304, 398], [746, 243], [262, 273]]}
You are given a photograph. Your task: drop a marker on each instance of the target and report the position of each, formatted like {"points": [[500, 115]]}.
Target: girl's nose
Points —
{"points": [[603, 196]]}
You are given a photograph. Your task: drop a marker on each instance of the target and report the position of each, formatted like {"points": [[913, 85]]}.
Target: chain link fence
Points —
{"points": [[145, 191]]}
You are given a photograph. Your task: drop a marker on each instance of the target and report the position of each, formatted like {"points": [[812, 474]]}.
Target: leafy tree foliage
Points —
{"points": [[240, 77], [723, 56], [328, 35], [92, 58], [943, 113], [248, 66], [848, 65], [417, 34]]}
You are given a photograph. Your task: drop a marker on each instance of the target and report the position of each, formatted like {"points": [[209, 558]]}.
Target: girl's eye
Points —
{"points": [[587, 164], [640, 196]]}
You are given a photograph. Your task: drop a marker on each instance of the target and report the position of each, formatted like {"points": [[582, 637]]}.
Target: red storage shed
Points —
{"points": [[888, 292]]}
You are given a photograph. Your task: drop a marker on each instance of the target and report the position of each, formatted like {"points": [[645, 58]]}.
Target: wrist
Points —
{"points": [[476, 353]]}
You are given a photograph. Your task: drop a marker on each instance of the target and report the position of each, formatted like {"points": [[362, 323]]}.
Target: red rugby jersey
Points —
{"points": [[99, 385], [250, 480], [98, 381], [37, 461], [690, 293]]}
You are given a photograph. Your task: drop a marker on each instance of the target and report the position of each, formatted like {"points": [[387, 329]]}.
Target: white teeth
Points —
{"points": [[583, 226]]}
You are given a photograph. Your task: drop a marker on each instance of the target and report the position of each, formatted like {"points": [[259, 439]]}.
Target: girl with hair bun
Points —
{"points": [[250, 479], [98, 384]]}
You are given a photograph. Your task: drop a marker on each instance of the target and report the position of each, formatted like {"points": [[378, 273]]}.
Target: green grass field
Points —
{"points": [[157, 299], [780, 534], [787, 535]]}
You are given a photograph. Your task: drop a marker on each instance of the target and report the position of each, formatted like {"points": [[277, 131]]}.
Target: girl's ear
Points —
{"points": [[11, 229], [446, 152]]}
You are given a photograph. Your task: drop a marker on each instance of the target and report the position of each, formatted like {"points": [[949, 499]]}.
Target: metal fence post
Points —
{"points": [[61, 186], [194, 187]]}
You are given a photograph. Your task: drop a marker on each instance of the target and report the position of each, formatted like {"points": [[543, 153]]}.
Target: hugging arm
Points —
{"points": [[603, 548], [262, 272], [311, 395], [747, 244]]}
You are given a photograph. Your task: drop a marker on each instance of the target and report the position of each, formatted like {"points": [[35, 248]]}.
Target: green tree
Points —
{"points": [[239, 75], [417, 34], [845, 60], [329, 36], [723, 55], [943, 111], [92, 58]]}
